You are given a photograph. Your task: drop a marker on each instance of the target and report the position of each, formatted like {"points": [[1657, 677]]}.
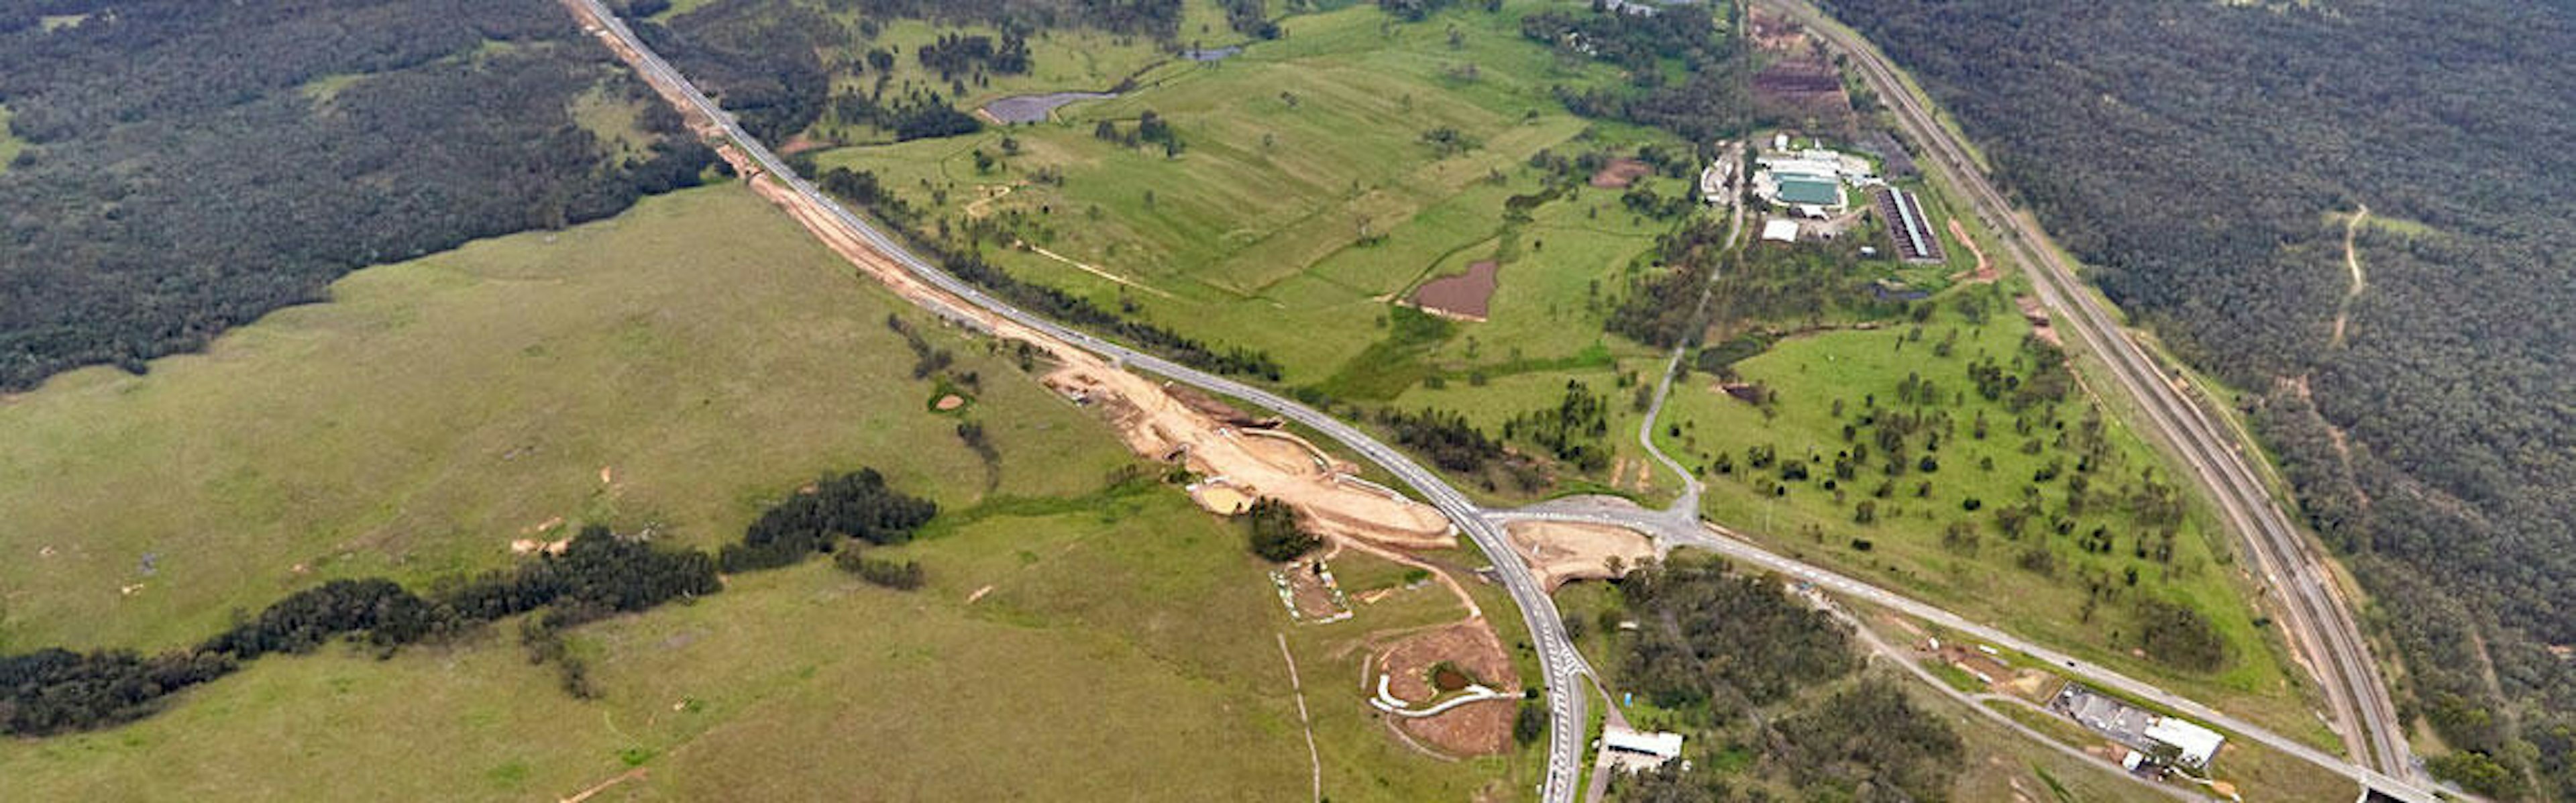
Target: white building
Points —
{"points": [[2194, 745], [1781, 230], [1635, 750]]}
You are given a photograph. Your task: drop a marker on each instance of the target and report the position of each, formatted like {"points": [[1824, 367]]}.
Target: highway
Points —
{"points": [[1669, 532], [2315, 617], [1563, 668]]}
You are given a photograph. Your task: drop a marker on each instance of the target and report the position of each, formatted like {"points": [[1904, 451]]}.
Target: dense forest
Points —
{"points": [[1684, 74], [191, 166], [595, 574], [2203, 159], [1741, 661]]}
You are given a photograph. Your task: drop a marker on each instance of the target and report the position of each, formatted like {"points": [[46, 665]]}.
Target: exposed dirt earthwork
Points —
{"points": [[1473, 729], [1559, 551]]}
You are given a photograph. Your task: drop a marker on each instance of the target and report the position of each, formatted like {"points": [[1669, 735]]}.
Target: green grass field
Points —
{"points": [[707, 351], [1305, 199], [700, 348], [805, 684], [1906, 547], [10, 144]]}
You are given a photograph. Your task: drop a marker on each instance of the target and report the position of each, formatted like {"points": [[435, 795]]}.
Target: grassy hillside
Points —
{"points": [[1113, 640], [701, 351], [1305, 196], [1126, 645], [2076, 588]]}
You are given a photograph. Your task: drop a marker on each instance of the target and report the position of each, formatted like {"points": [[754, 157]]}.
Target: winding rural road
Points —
{"points": [[1563, 669]]}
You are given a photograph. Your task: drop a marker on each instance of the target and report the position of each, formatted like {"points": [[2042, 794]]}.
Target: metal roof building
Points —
{"points": [[2195, 743]]}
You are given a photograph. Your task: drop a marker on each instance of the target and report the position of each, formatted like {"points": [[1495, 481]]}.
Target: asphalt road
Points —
{"points": [[1563, 668], [1670, 532], [2314, 615]]}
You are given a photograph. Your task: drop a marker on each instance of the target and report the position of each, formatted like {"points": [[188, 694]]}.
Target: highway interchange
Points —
{"points": [[1564, 670]]}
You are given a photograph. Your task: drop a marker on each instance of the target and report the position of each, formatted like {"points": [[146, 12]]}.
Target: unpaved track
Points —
{"points": [[2351, 262]]}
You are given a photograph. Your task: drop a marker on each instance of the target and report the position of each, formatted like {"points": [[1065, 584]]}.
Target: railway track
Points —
{"points": [[2290, 565]]}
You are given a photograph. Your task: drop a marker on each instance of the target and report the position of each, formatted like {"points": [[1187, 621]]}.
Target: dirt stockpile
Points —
{"points": [[1159, 426], [1464, 296], [1559, 552]]}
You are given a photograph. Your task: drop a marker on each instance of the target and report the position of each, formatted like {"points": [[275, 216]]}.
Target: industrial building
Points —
{"points": [[1908, 226], [1811, 179], [1639, 750]]}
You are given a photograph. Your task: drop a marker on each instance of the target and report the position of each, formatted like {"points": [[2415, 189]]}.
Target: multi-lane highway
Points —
{"points": [[2289, 564], [1563, 668]]}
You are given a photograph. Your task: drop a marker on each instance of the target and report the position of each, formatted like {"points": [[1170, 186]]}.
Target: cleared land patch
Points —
{"points": [[1465, 296]]}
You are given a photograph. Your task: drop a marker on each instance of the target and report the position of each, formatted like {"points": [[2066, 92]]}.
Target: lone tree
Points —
{"points": [[1276, 533]]}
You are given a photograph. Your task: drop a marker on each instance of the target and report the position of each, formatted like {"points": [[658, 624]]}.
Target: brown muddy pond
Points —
{"points": [[1468, 295]]}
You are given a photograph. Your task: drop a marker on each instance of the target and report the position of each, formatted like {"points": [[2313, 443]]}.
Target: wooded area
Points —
{"points": [[1732, 653], [2202, 157], [598, 573], [192, 166]]}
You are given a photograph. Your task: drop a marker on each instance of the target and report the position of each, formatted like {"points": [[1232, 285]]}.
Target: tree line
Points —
{"points": [[966, 261], [597, 574]]}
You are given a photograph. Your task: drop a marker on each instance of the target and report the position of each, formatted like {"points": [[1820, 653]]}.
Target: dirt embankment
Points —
{"points": [[1559, 551]]}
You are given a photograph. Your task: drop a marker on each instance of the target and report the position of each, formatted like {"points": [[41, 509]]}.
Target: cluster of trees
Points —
{"points": [[759, 58], [1731, 652], [1707, 98], [1160, 19], [916, 114], [1276, 532], [1413, 10], [149, 212], [857, 505], [954, 53], [1708, 638], [2432, 444], [1445, 436], [1662, 306], [1572, 430], [1870, 741], [1250, 18], [1150, 128], [598, 574], [900, 576]]}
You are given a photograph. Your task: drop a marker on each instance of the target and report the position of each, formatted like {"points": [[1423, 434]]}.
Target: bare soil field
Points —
{"points": [[1483, 728], [1469, 295], [1620, 173], [1560, 552]]}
